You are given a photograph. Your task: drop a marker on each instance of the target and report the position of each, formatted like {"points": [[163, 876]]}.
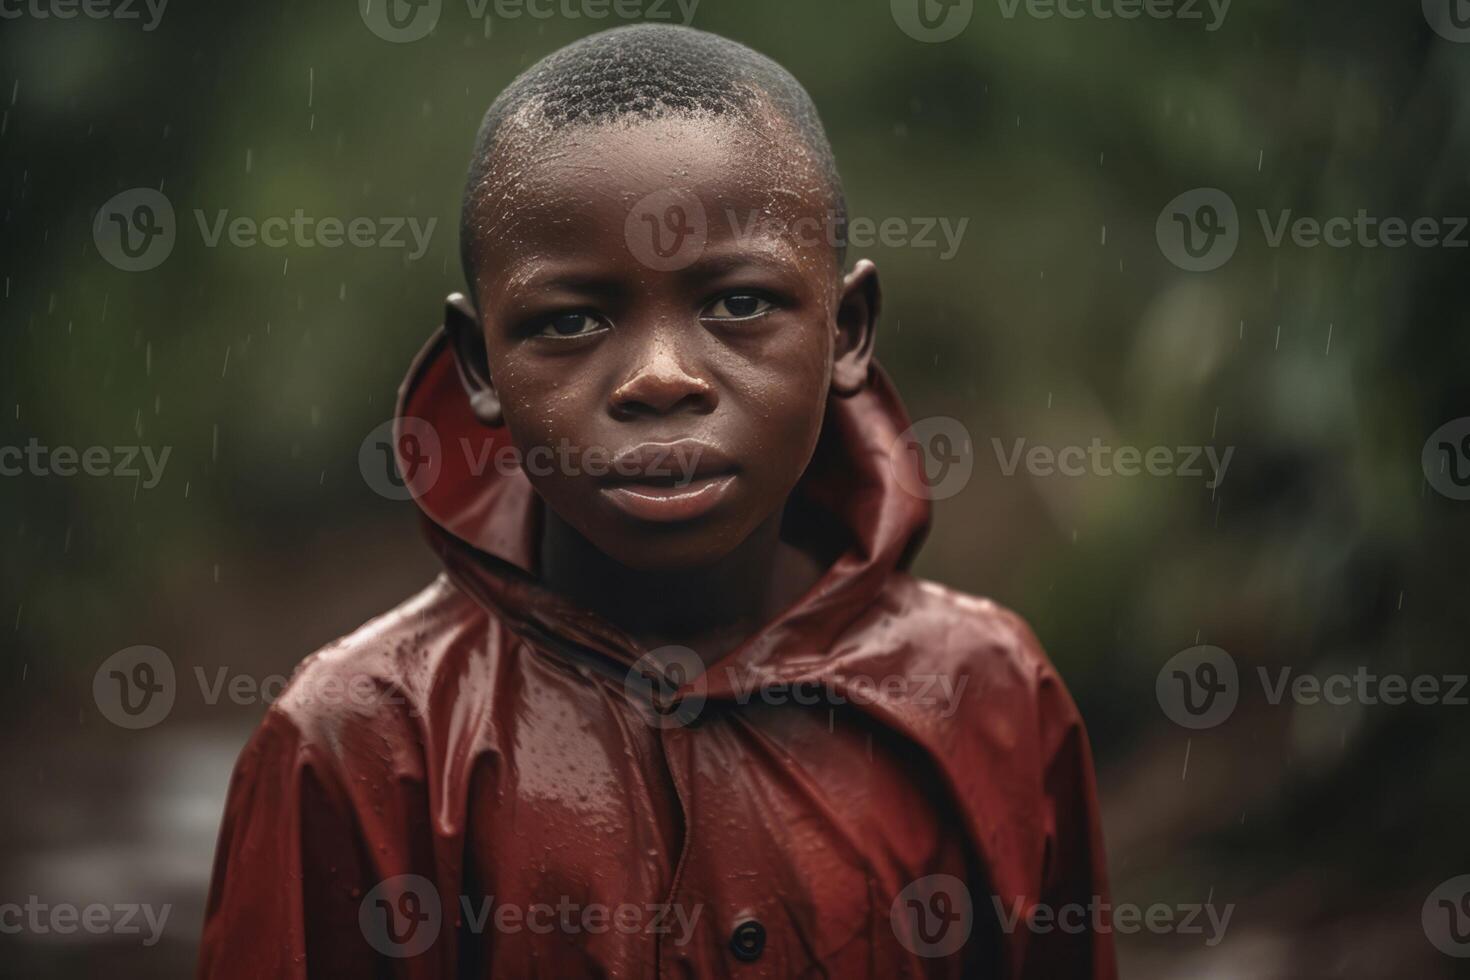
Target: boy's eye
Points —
{"points": [[737, 306], [571, 325]]}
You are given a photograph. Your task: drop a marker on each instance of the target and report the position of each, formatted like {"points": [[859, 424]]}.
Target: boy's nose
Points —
{"points": [[661, 385]]}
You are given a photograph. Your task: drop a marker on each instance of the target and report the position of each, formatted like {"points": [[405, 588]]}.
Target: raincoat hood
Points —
{"points": [[484, 520]]}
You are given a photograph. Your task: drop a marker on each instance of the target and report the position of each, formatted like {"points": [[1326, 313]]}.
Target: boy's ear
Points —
{"points": [[857, 324], [467, 339]]}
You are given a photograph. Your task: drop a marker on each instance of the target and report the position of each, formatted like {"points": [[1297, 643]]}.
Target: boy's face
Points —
{"points": [[653, 308]]}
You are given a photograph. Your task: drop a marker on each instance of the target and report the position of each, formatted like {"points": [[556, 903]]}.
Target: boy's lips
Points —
{"points": [[669, 482], [682, 502]]}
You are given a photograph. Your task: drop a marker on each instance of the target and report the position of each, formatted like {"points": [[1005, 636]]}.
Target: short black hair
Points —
{"points": [[648, 71]]}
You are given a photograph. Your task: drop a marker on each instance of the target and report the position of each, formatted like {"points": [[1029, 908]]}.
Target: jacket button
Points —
{"points": [[748, 940]]}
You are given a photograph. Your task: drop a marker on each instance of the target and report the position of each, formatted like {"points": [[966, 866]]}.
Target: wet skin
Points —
{"points": [[719, 370]]}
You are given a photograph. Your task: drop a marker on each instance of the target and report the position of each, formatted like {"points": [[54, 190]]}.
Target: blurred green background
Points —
{"points": [[1060, 319]]}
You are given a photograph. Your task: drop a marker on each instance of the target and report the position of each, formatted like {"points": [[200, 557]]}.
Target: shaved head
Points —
{"points": [[638, 74]]}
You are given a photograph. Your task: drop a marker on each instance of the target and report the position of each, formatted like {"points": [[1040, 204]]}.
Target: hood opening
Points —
{"points": [[850, 508]]}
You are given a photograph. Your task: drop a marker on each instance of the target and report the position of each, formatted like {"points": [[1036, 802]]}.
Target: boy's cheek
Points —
{"points": [[540, 415]]}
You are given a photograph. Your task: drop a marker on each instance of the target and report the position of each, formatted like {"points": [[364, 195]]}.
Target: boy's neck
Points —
{"points": [[710, 609]]}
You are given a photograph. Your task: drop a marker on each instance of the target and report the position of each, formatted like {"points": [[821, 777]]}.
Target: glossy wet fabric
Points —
{"points": [[874, 785]]}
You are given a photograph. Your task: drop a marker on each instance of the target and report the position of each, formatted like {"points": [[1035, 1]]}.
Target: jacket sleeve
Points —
{"points": [[289, 860], [1074, 877]]}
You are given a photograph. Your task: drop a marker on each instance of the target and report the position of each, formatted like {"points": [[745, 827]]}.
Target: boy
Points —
{"points": [[675, 708]]}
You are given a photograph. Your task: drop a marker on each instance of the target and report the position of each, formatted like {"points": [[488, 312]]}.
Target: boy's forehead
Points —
{"points": [[751, 171]]}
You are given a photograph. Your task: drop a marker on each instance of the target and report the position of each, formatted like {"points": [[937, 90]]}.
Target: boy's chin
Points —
{"points": [[669, 547], [656, 535]]}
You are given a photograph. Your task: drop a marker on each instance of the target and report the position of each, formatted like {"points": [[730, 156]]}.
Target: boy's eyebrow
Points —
{"points": [[525, 275], [771, 253], [775, 255], [572, 281]]}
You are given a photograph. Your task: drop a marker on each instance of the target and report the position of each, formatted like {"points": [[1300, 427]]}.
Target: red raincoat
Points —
{"points": [[875, 785]]}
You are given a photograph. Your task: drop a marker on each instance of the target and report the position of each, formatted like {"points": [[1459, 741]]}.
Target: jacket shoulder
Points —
{"points": [[384, 666], [969, 632], [1013, 698]]}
